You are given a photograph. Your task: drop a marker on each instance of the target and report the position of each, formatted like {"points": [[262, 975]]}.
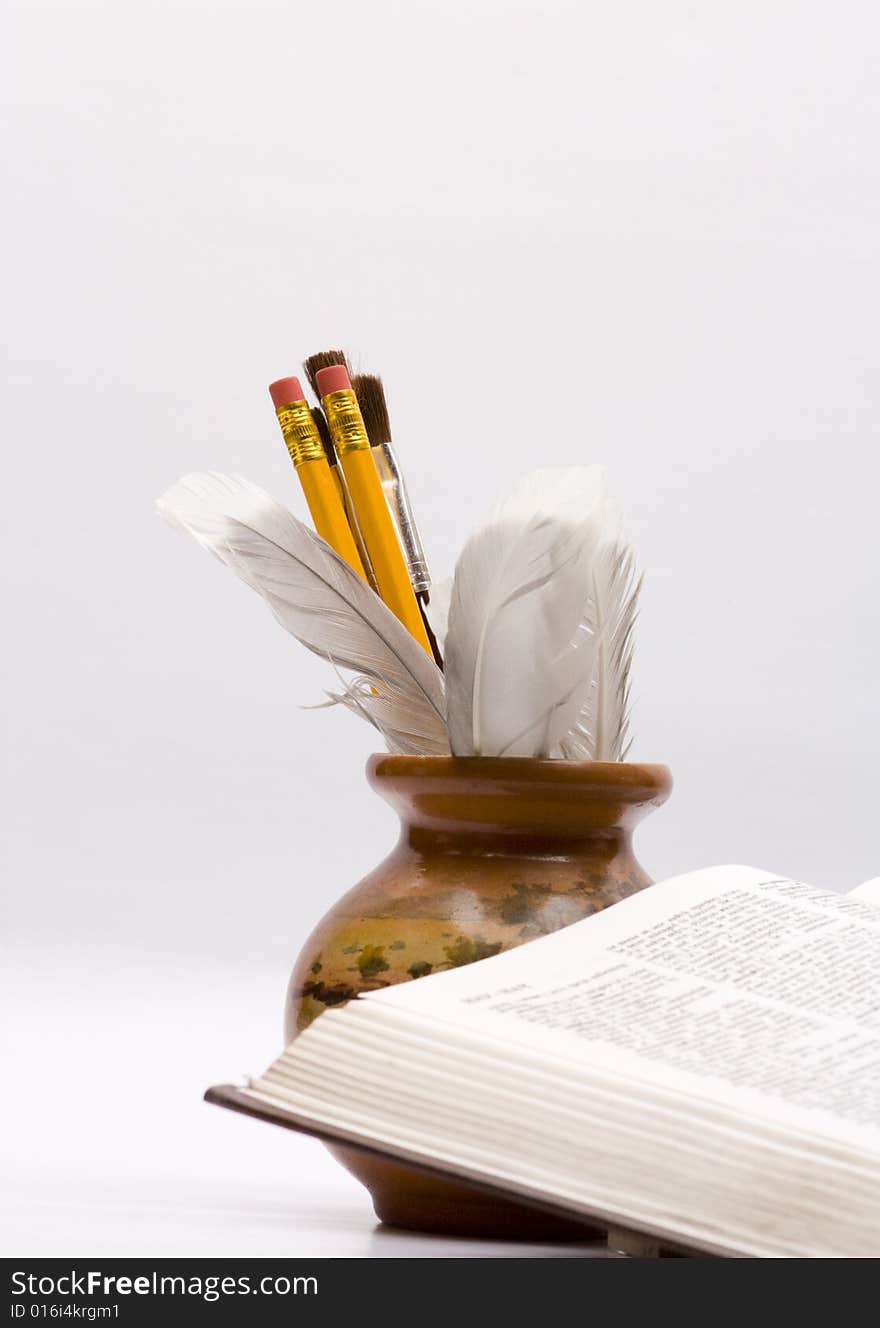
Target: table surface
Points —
{"points": [[108, 1150]]}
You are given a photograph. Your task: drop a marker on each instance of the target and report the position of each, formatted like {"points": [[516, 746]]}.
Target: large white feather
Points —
{"points": [[317, 597], [520, 649]]}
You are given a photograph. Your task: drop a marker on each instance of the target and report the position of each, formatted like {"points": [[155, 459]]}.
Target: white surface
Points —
{"points": [[106, 1148], [672, 208]]}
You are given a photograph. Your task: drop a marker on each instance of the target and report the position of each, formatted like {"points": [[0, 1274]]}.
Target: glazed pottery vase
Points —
{"points": [[493, 852]]}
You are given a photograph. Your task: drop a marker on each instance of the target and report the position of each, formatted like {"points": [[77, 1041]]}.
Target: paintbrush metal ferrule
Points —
{"points": [[396, 494]]}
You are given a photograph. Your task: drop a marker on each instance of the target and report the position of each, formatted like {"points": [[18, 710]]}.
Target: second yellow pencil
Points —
{"points": [[374, 519]]}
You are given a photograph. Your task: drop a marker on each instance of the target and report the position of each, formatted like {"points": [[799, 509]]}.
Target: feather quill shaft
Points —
{"points": [[615, 594], [599, 730]]}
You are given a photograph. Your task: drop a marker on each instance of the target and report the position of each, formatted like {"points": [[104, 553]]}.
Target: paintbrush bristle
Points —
{"points": [[324, 431], [371, 398], [322, 360]]}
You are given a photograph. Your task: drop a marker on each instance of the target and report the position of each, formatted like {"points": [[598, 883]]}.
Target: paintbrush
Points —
{"points": [[324, 435], [374, 408]]}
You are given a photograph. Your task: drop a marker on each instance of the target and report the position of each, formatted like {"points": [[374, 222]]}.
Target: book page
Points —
{"points": [[731, 983]]}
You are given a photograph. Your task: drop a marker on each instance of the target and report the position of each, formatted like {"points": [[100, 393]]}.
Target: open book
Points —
{"points": [[700, 1063]]}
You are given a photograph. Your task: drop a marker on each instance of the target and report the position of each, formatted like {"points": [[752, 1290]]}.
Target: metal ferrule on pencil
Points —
{"points": [[300, 432], [345, 422]]}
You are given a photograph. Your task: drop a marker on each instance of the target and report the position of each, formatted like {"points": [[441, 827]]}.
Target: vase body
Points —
{"points": [[493, 852]]}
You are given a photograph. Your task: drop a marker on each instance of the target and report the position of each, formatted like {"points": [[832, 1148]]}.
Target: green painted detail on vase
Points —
{"points": [[493, 854], [407, 940]]}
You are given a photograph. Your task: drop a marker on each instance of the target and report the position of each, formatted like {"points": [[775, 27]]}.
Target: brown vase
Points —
{"points": [[493, 852]]}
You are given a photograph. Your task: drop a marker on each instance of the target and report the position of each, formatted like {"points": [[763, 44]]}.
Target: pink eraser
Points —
{"points": [[285, 390], [332, 379]]}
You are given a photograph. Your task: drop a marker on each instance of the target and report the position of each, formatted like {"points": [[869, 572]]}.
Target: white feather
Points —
{"points": [[599, 731], [317, 597], [437, 610], [520, 649]]}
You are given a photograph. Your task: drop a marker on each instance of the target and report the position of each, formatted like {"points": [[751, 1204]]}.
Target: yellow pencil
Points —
{"points": [[313, 470], [365, 488]]}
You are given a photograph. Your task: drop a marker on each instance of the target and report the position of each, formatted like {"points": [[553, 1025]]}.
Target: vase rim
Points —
{"points": [[625, 777]]}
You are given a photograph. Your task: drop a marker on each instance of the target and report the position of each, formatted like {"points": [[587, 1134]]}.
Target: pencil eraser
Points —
{"points": [[332, 379], [285, 390]]}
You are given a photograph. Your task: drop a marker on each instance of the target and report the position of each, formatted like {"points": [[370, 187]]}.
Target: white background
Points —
{"points": [[634, 233]]}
